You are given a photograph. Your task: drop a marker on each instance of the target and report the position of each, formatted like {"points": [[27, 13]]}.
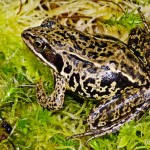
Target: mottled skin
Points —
{"points": [[56, 99], [97, 67]]}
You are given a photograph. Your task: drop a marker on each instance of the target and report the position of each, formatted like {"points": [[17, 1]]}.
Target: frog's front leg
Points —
{"points": [[56, 99], [110, 116]]}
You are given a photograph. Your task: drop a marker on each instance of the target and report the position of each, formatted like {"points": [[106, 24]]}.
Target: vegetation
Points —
{"points": [[32, 126]]}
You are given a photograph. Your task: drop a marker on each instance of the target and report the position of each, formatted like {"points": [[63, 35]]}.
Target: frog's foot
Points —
{"points": [[55, 100], [108, 118]]}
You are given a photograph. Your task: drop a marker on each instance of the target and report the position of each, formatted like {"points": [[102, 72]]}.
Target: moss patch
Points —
{"points": [[37, 128]]}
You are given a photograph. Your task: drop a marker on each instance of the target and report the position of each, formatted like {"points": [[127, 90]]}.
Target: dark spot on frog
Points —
{"points": [[94, 55], [52, 106], [113, 62], [64, 89], [68, 69], [86, 64], [107, 54], [83, 77], [84, 52], [71, 49], [99, 49], [70, 36], [71, 81], [95, 92], [60, 34], [88, 89], [76, 46], [79, 90], [105, 68], [77, 77], [45, 31], [58, 43], [79, 42], [84, 37], [86, 86], [82, 43], [92, 46], [64, 53], [136, 40], [101, 46], [62, 28]]}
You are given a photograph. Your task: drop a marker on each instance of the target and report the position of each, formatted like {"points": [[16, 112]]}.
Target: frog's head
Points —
{"points": [[37, 40]]}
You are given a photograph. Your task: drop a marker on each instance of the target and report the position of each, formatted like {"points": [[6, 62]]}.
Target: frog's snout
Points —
{"points": [[25, 35]]}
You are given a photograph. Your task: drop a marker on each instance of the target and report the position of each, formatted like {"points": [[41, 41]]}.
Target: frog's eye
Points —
{"points": [[39, 45]]}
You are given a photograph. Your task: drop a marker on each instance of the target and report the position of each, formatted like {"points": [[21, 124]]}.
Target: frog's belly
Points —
{"points": [[99, 85]]}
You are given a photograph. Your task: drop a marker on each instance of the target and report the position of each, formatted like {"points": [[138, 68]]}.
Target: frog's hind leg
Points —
{"points": [[109, 117], [56, 99], [139, 42]]}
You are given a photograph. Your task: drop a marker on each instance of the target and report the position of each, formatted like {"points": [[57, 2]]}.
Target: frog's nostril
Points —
{"points": [[25, 35]]}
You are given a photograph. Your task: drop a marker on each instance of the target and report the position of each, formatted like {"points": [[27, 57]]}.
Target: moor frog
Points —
{"points": [[101, 68]]}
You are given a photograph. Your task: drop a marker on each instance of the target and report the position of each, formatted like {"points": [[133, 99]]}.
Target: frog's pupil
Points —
{"points": [[38, 44]]}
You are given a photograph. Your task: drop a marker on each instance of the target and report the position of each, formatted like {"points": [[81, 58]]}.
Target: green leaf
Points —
{"points": [[123, 142]]}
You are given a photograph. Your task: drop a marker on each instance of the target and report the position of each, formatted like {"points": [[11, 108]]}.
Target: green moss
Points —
{"points": [[127, 20], [20, 70]]}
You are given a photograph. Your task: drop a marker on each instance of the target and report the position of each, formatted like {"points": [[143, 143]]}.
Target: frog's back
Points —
{"points": [[103, 52], [92, 48]]}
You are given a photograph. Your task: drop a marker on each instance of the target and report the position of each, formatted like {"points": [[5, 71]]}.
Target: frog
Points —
{"points": [[100, 68]]}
